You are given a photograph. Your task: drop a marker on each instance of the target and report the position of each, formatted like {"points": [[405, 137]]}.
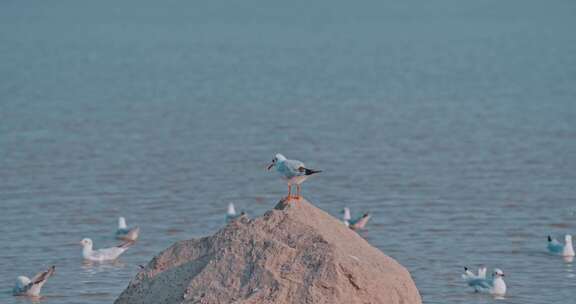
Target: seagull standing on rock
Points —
{"points": [[294, 172], [32, 287]]}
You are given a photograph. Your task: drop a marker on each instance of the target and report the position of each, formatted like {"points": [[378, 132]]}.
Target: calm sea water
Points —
{"points": [[453, 122]]}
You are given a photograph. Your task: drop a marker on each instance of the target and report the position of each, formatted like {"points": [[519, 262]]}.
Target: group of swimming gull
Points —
{"points": [[496, 286], [294, 173], [32, 287]]}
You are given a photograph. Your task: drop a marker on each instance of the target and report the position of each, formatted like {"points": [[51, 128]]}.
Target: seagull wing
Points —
{"points": [[360, 222], [122, 231], [99, 255], [482, 272], [36, 283], [125, 244], [479, 284], [43, 276], [133, 234], [354, 221], [554, 246], [107, 253], [230, 218], [110, 253], [292, 168]]}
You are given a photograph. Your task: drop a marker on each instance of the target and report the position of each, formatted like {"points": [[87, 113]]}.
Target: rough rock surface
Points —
{"points": [[295, 253]]}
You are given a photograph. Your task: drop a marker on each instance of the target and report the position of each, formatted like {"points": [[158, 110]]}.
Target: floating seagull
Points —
{"points": [[360, 223], [355, 224], [566, 249], [495, 285], [346, 217], [231, 213], [32, 287], [294, 172], [105, 254], [125, 233]]}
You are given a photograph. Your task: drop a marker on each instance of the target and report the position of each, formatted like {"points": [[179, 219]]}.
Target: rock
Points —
{"points": [[295, 253]]}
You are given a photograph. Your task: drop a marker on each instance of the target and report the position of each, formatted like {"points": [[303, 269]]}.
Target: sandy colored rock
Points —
{"points": [[295, 253]]}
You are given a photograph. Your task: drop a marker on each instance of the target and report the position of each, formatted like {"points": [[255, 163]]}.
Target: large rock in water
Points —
{"points": [[295, 253]]}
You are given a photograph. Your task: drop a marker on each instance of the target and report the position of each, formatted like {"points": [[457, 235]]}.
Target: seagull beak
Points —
{"points": [[270, 166]]}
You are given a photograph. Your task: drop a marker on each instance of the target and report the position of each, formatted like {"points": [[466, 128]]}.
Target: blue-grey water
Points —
{"points": [[454, 122]]}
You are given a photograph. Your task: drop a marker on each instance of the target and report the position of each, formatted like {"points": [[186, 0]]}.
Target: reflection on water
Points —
{"points": [[28, 299], [569, 268], [452, 122], [92, 267], [499, 297]]}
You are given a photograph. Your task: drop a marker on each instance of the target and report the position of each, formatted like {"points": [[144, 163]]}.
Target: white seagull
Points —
{"points": [[355, 224], [32, 287], [125, 233], [294, 172], [104, 254], [346, 217], [565, 250], [231, 213], [494, 285]]}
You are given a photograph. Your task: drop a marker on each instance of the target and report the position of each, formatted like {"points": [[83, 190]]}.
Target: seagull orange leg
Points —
{"points": [[298, 191], [289, 192]]}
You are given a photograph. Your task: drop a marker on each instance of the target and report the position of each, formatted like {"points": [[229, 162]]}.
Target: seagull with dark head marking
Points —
{"points": [[494, 285], [294, 172], [565, 250]]}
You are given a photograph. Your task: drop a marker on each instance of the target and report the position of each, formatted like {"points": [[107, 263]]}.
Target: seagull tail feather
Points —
{"points": [[126, 244], [311, 171]]}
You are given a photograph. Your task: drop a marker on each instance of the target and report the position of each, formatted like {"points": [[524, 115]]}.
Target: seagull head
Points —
{"points": [[86, 243], [498, 273], [231, 209], [277, 158], [121, 223], [23, 281], [346, 214]]}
